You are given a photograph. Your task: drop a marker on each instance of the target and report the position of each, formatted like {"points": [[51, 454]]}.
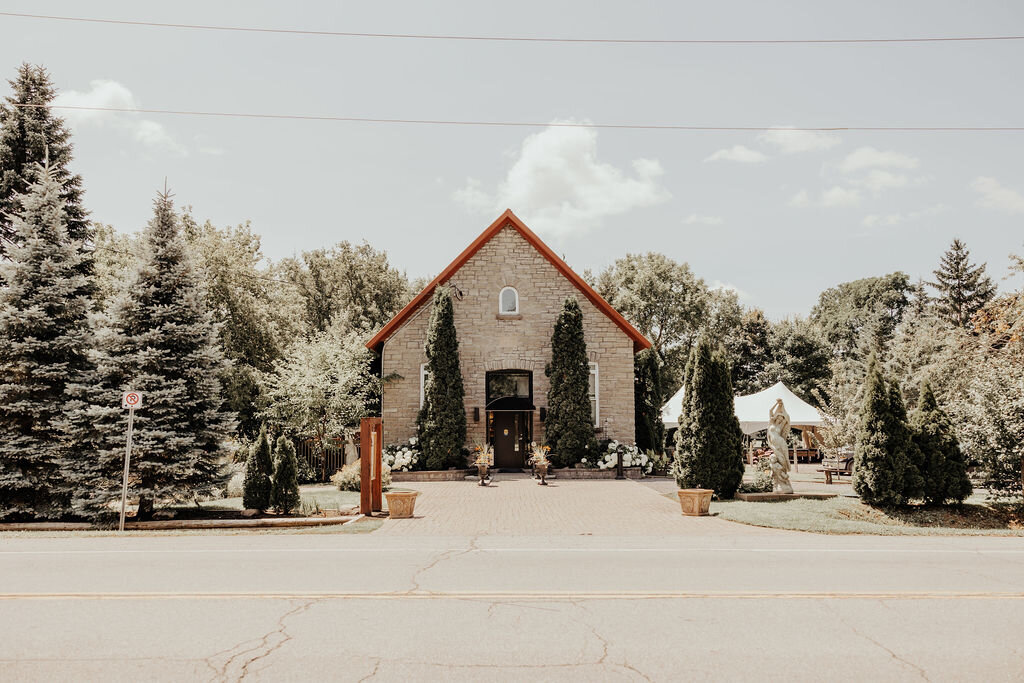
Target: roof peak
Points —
{"points": [[506, 219]]}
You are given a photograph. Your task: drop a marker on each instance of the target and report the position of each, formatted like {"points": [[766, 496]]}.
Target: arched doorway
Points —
{"points": [[510, 416]]}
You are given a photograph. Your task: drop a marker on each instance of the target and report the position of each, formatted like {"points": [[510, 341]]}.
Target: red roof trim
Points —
{"points": [[508, 218]]}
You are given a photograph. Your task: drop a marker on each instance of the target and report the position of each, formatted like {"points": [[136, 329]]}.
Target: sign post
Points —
{"points": [[130, 400]]}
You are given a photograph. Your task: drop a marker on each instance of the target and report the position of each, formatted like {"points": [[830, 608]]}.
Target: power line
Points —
{"points": [[526, 39], [525, 124]]}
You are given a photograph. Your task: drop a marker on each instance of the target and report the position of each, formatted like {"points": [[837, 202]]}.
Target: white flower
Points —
{"points": [[583, 460]]}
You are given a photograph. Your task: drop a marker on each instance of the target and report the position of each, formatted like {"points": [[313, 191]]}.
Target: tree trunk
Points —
{"points": [[145, 512]]}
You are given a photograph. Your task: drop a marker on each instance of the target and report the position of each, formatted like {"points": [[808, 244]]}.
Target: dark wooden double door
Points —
{"points": [[511, 438]]}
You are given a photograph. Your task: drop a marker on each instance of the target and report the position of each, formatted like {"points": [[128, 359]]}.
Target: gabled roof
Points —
{"points": [[509, 219]]}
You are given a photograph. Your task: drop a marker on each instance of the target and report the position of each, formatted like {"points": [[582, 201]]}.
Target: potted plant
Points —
{"points": [[484, 460], [401, 503], [541, 463]]}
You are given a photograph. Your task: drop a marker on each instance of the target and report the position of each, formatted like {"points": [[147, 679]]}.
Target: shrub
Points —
{"points": [[284, 495], [348, 477], [944, 466], [762, 477], [631, 457], [259, 467], [709, 442], [885, 456], [402, 457], [569, 426], [442, 420]]}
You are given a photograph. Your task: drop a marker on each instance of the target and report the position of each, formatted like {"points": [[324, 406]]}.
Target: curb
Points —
{"points": [[164, 525]]}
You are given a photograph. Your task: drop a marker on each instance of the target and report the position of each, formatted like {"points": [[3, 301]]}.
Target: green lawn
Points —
{"points": [[326, 496], [845, 515]]}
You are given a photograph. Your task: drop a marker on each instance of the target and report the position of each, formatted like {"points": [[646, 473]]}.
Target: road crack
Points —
{"points": [[236, 667], [857, 632]]}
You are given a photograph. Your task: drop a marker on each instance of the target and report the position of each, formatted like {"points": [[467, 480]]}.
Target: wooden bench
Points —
{"points": [[829, 472]]}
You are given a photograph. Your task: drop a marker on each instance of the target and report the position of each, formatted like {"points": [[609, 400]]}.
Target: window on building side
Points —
{"points": [[594, 391], [508, 301], [424, 373]]}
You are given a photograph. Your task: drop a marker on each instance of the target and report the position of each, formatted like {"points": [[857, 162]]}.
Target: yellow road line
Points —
{"points": [[530, 595]]}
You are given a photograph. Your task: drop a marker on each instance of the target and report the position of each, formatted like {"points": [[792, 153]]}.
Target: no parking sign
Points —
{"points": [[130, 400]]}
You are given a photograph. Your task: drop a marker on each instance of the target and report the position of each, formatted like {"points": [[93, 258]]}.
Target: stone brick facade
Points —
{"points": [[489, 341]]}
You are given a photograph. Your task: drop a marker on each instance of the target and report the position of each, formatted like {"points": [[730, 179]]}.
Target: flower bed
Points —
{"points": [[631, 457], [402, 457]]}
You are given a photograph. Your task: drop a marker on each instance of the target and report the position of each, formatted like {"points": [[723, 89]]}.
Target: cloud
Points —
{"points": [[791, 141], [728, 287], [738, 153], [111, 94], [840, 196], [893, 219], [557, 183], [878, 180], [996, 196], [695, 219], [833, 197], [869, 157], [801, 199]]}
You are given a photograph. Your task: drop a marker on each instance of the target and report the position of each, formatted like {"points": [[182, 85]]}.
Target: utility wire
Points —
{"points": [[524, 39], [521, 124]]}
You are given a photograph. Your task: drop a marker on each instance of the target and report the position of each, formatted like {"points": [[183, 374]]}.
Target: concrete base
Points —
{"points": [[777, 497]]}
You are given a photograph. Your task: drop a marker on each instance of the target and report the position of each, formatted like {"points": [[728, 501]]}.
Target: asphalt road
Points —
{"points": [[782, 606]]}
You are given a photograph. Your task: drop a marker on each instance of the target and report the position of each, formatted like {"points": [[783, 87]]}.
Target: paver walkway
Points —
{"points": [[516, 505]]}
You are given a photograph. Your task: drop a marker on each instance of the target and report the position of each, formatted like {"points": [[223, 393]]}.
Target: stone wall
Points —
{"points": [[489, 341]]}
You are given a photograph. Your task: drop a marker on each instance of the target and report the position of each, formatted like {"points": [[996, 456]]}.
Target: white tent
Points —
{"points": [[752, 410]]}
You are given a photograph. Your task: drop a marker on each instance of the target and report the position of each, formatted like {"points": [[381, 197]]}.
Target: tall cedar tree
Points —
{"points": [[570, 423], [884, 471], [442, 420], [162, 341], [284, 496], [44, 342], [944, 465], [963, 287], [648, 399], [259, 470], [31, 135], [709, 442]]}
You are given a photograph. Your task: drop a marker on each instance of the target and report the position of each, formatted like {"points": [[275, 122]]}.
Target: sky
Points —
{"points": [[778, 215]]}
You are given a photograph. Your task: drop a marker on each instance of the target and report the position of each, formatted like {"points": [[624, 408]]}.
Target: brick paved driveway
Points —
{"points": [[517, 505]]}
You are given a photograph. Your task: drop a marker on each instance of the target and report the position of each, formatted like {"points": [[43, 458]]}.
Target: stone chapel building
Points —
{"points": [[509, 288]]}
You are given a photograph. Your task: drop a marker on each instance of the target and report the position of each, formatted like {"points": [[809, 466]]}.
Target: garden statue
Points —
{"points": [[778, 433]]}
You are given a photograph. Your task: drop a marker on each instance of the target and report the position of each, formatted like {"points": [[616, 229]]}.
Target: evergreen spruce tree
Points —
{"points": [[442, 420], [881, 457], [569, 425], [902, 440], [31, 135], [44, 343], [650, 430], [284, 496], [161, 341], [963, 287], [259, 469], [709, 443], [944, 465]]}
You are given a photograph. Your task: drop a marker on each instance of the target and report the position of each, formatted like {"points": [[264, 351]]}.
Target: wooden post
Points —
{"points": [[377, 460], [371, 448]]}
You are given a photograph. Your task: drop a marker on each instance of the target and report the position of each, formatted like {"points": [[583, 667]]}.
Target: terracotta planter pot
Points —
{"points": [[695, 502], [401, 503]]}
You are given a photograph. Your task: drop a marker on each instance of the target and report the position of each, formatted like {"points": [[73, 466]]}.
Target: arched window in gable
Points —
{"points": [[508, 301]]}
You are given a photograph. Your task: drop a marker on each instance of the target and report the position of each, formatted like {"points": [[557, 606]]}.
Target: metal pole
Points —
{"points": [[618, 468], [127, 459]]}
